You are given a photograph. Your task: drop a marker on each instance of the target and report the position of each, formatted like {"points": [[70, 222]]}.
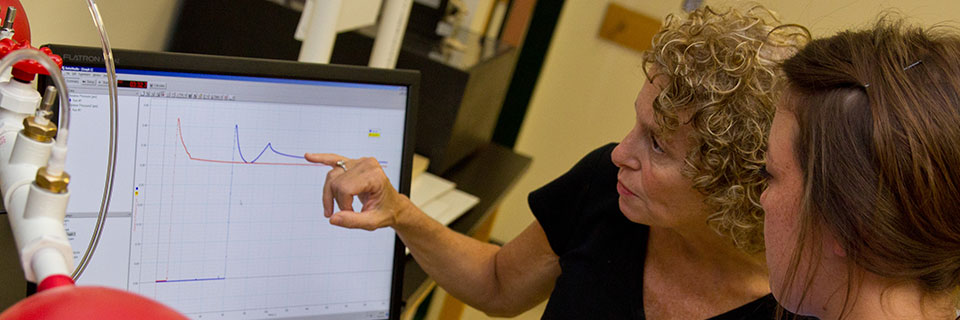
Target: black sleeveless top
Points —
{"points": [[601, 252]]}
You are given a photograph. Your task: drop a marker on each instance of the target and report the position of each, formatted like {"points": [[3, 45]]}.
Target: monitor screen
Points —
{"points": [[215, 212]]}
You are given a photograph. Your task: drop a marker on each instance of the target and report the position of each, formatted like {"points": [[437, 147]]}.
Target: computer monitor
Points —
{"points": [[215, 213]]}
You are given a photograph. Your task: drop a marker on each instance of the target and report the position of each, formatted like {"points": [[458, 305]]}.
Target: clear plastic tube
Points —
{"points": [[54, 69], [112, 163]]}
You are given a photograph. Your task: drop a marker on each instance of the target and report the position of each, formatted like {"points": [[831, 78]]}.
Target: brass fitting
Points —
{"points": [[39, 132], [52, 183]]}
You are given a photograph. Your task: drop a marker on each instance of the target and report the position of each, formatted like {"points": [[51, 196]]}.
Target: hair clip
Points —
{"points": [[918, 62], [913, 65]]}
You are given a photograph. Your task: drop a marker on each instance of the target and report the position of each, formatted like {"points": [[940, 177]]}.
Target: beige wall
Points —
{"points": [[131, 24], [585, 93]]}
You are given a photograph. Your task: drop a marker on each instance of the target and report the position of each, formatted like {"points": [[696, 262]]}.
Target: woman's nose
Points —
{"points": [[624, 155]]}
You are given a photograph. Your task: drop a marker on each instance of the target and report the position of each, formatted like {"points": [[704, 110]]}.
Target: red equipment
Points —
{"points": [[57, 297]]}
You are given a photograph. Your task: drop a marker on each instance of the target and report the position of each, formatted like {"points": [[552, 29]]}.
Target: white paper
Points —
{"points": [[426, 187], [449, 206]]}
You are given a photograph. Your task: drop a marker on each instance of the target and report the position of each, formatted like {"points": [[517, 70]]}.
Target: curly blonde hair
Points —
{"points": [[722, 75]]}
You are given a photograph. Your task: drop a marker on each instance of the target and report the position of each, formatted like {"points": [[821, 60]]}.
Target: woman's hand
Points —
{"points": [[498, 281], [383, 206]]}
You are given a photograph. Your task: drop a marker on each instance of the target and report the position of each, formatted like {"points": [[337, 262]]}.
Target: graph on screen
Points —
{"points": [[227, 218]]}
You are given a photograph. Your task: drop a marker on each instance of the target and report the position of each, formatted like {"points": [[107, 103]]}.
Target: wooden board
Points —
{"points": [[628, 28]]}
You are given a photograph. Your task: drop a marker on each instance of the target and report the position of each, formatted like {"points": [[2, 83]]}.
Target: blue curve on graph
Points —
{"points": [[236, 130]]}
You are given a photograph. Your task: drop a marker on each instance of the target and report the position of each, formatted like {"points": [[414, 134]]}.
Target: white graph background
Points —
{"points": [[227, 215]]}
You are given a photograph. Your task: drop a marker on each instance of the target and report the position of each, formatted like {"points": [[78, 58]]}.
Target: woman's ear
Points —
{"points": [[833, 246], [838, 250]]}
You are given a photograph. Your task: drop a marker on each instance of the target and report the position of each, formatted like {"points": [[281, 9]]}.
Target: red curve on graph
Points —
{"points": [[180, 133]]}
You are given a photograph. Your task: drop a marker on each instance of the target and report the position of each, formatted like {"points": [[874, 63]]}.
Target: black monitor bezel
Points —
{"points": [[255, 67]]}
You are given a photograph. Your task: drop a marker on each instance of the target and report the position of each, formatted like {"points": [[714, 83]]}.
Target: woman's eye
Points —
{"points": [[655, 144], [764, 173]]}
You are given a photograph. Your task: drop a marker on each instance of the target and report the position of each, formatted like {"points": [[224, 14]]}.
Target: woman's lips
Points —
{"points": [[623, 190]]}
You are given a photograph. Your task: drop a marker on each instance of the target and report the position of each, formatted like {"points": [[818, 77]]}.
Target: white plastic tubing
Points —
{"points": [[36, 215], [393, 24], [318, 44]]}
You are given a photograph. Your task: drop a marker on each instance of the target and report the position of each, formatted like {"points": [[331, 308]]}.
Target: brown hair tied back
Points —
{"points": [[879, 146]]}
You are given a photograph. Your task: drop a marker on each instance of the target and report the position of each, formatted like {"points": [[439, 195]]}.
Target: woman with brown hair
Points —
{"points": [[663, 225], [863, 203]]}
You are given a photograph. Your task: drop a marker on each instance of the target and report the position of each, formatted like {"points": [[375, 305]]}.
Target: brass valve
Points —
{"points": [[52, 183], [38, 132]]}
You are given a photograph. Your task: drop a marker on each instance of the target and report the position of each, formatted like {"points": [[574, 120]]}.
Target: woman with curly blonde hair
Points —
{"points": [[664, 225]]}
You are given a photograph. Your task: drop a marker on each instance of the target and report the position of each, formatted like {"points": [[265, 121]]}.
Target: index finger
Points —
{"points": [[329, 159]]}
